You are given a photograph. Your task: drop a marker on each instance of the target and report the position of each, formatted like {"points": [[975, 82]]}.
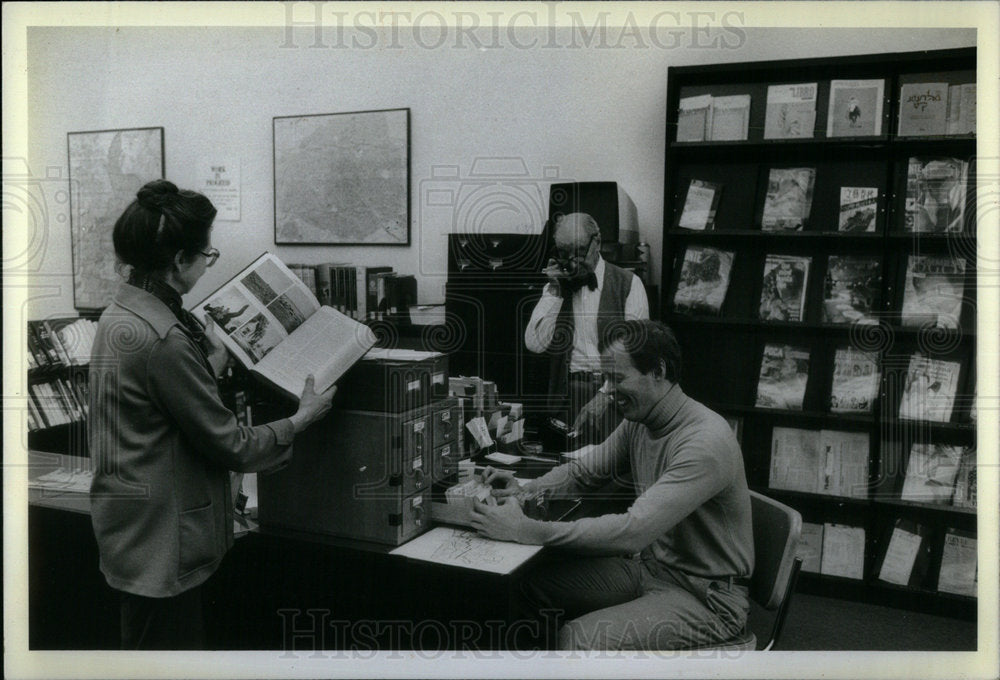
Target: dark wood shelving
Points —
{"points": [[723, 352]]}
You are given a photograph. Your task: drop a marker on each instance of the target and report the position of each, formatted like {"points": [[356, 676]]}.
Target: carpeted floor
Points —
{"points": [[823, 623]]}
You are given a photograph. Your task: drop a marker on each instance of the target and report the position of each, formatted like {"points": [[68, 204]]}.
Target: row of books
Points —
{"points": [[839, 550], [935, 199], [854, 110], [56, 343], [835, 463], [360, 292], [58, 401], [928, 389], [852, 289]]}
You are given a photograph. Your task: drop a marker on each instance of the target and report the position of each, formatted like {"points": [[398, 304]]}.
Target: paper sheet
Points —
{"points": [[463, 548]]}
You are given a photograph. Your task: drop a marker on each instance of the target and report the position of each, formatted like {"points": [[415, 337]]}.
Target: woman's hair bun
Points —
{"points": [[157, 194]]}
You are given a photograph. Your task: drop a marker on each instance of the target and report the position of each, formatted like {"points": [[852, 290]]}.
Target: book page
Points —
{"points": [[258, 308], [463, 548], [899, 557], [326, 345]]}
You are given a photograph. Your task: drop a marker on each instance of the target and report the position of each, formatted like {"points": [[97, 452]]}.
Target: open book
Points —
{"points": [[273, 324]]}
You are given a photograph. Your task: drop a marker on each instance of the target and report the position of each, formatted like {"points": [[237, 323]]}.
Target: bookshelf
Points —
{"points": [[724, 340]]}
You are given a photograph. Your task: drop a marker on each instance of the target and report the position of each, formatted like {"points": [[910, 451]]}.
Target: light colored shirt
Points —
{"points": [[692, 513], [585, 355]]}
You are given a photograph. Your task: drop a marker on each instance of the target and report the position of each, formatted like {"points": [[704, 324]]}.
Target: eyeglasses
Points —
{"points": [[577, 253], [211, 256]]}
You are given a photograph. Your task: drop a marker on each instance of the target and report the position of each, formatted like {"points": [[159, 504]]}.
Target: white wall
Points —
{"points": [[572, 114]]}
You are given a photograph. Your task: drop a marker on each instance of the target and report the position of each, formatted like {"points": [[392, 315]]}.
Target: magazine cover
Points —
{"points": [[935, 195], [855, 108], [857, 209], [789, 199], [852, 289], [700, 204], [783, 295], [791, 111], [784, 371], [933, 291], [929, 389], [923, 109], [930, 473], [855, 381], [704, 279]]}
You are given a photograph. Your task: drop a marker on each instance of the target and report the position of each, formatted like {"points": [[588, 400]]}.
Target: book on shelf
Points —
{"points": [[855, 108], [75, 337], [929, 388], [907, 545], [965, 480], [827, 462], [47, 354], [694, 118], [923, 109], [789, 199], [852, 289], [704, 279], [790, 111], [933, 291], [857, 209], [700, 204], [730, 118], [935, 195], [959, 564], [275, 327], [930, 473], [783, 293], [810, 547], [784, 371], [843, 551], [855, 382], [961, 109]]}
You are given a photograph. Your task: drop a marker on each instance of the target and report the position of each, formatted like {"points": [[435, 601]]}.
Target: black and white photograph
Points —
{"points": [[709, 280]]}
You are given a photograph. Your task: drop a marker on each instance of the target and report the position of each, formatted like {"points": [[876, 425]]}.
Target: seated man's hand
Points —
{"points": [[592, 413], [503, 483], [500, 522]]}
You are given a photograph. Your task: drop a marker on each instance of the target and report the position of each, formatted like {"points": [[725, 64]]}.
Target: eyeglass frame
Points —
{"points": [[212, 255], [559, 254]]}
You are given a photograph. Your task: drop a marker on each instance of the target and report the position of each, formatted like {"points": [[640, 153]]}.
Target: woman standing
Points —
{"points": [[160, 437]]}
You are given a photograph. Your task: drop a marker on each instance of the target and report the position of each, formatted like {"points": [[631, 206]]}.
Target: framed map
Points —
{"points": [[106, 169], [342, 178]]}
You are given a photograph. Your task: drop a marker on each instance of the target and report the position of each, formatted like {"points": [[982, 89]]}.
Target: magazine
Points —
{"points": [[958, 563], [901, 554], [784, 372], [791, 111], [965, 482], [855, 381], [795, 460], [700, 205], [730, 118], [852, 290], [694, 118], [828, 462], [923, 109], [857, 208], [933, 291], [783, 295], [929, 389], [935, 195], [931, 472], [855, 108], [810, 547], [272, 324], [703, 280], [789, 199], [843, 551]]}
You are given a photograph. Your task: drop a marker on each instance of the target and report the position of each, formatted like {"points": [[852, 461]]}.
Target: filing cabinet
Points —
{"points": [[363, 474]]}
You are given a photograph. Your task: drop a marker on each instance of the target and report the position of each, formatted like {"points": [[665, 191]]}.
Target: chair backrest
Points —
{"points": [[776, 531]]}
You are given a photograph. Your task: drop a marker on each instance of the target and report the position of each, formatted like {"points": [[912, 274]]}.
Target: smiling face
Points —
{"points": [[634, 393]]}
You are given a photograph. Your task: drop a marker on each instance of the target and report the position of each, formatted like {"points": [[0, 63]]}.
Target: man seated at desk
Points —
{"points": [[669, 572], [583, 296]]}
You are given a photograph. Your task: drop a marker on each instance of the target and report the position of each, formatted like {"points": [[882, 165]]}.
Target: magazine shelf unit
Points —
{"points": [[725, 340]]}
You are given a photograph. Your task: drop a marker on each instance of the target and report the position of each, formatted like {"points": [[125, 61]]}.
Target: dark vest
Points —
{"points": [[610, 308]]}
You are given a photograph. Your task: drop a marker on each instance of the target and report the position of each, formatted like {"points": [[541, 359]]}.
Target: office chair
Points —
{"points": [[776, 530]]}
